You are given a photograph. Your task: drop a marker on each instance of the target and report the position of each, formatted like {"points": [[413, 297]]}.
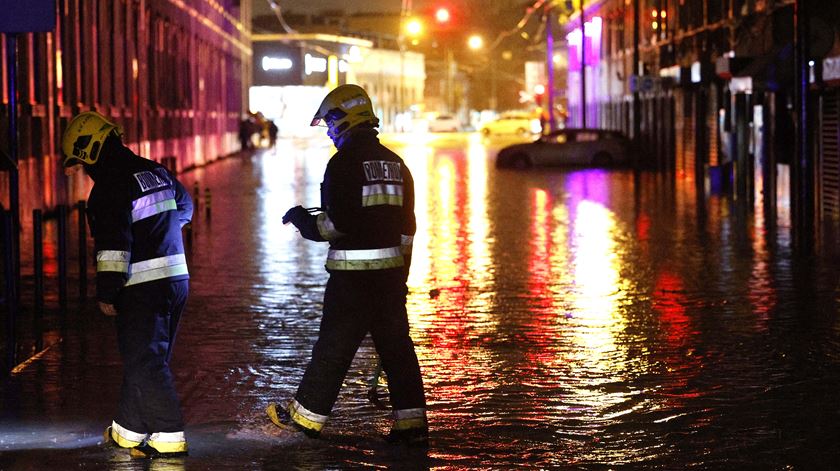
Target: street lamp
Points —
{"points": [[475, 42], [413, 28]]}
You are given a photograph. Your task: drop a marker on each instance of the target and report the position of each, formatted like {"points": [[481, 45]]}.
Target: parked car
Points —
{"points": [[568, 147], [444, 123], [514, 123]]}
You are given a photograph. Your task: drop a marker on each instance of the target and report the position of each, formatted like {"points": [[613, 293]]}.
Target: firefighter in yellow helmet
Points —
{"points": [[367, 203], [135, 211]]}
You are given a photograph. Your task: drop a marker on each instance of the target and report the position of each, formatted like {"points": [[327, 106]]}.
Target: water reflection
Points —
{"points": [[448, 309], [563, 317]]}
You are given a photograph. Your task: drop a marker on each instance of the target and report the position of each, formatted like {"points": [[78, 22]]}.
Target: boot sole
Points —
{"points": [[151, 453]]}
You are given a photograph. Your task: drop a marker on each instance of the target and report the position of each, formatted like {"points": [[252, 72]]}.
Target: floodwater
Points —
{"points": [[564, 319]]}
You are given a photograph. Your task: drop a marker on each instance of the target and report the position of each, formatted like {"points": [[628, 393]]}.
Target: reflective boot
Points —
{"points": [[159, 445], [410, 428], [121, 437], [282, 418]]}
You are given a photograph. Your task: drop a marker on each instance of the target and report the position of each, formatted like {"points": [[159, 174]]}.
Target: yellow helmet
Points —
{"points": [[84, 137], [344, 108]]}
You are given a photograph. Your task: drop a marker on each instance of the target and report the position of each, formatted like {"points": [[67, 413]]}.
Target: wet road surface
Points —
{"points": [[577, 318]]}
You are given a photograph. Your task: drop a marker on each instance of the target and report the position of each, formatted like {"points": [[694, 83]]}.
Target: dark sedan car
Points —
{"points": [[568, 147]]}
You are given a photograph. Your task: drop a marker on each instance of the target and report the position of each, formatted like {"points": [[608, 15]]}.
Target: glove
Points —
{"points": [[296, 216]]}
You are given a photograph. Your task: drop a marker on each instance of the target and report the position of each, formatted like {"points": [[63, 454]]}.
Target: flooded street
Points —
{"points": [[577, 318]]}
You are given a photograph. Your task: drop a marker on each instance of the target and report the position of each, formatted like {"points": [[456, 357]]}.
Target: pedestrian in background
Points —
{"points": [[272, 133], [245, 133], [367, 199], [136, 210]]}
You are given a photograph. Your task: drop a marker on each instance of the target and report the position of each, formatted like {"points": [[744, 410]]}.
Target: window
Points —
{"points": [[587, 137]]}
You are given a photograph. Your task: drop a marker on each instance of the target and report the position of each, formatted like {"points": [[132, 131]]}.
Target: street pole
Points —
{"points": [[582, 64], [14, 190], [493, 101], [549, 51], [802, 171], [450, 79], [12, 220], [637, 108], [400, 104], [14, 193]]}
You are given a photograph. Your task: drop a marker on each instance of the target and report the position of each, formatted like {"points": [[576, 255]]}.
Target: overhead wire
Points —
{"points": [[520, 24], [275, 7]]}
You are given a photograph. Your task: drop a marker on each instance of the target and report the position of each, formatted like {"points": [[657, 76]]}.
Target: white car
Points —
{"points": [[519, 124], [444, 123]]}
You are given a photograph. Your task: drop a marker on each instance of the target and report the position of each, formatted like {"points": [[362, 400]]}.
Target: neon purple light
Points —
{"points": [[593, 44]]}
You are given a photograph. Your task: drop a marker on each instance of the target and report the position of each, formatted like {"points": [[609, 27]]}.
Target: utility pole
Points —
{"points": [[802, 170], [493, 101], [549, 54], [637, 109], [583, 64]]}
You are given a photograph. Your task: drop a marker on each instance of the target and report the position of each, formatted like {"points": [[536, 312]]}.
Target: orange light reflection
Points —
{"points": [[450, 255]]}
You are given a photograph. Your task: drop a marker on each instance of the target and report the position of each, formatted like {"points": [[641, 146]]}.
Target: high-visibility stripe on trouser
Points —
{"points": [[168, 442], [407, 419], [306, 418], [369, 259], [125, 437]]}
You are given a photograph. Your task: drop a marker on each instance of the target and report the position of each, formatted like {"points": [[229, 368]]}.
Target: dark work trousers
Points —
{"points": [[355, 303], [147, 320]]}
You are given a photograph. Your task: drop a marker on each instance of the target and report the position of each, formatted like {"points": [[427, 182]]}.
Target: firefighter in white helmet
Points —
{"points": [[367, 199], [136, 210]]}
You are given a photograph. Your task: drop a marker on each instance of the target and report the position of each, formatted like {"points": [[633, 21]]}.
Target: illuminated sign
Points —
{"points": [[276, 63], [314, 64], [831, 68]]}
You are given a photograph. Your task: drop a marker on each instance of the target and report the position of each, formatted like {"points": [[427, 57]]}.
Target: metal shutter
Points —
{"points": [[829, 155]]}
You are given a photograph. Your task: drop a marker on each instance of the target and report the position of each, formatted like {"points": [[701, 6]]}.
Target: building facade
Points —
{"points": [[715, 80], [293, 72], [173, 74]]}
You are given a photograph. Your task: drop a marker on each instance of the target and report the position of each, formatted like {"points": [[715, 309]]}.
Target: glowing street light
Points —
{"points": [[475, 42], [414, 27]]}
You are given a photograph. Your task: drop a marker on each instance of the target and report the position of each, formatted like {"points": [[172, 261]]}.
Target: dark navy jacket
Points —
{"points": [[367, 196], [136, 210]]}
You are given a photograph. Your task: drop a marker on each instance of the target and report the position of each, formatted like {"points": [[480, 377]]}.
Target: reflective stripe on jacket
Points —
{"points": [[368, 199], [135, 211], [370, 259]]}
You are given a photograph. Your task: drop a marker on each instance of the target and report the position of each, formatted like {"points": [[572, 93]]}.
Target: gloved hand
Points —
{"points": [[107, 309], [296, 215]]}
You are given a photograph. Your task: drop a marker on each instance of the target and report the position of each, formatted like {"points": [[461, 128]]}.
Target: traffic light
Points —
{"points": [[539, 93], [442, 15]]}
